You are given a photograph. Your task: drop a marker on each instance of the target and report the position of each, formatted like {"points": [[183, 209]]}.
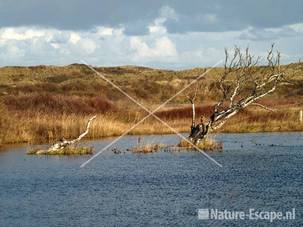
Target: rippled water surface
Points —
{"points": [[261, 171]]}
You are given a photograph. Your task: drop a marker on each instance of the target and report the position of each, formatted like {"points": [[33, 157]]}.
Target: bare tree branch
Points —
{"points": [[242, 83], [191, 99], [64, 143]]}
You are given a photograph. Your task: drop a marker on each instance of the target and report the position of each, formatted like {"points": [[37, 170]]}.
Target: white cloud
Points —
{"points": [[298, 27], [88, 45], [104, 31], [74, 38], [55, 45], [163, 47], [157, 28], [20, 33], [165, 13], [157, 45]]}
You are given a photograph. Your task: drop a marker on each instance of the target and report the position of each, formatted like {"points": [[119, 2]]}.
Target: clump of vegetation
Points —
{"points": [[145, 148], [70, 150], [206, 144]]}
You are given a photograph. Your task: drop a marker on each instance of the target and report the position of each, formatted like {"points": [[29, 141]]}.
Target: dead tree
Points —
{"points": [[63, 143], [242, 83]]}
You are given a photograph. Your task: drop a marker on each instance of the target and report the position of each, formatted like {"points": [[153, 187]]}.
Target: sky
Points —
{"points": [[163, 34]]}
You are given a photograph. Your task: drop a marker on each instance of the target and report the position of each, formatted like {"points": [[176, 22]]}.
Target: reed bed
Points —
{"points": [[42, 127]]}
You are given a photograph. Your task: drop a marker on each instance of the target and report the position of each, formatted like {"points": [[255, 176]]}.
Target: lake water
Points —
{"points": [[260, 170]]}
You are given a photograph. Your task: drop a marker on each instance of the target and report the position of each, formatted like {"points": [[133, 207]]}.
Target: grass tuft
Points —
{"points": [[206, 144], [147, 148], [70, 150]]}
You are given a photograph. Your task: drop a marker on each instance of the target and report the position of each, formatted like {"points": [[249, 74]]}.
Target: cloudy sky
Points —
{"points": [[164, 34]]}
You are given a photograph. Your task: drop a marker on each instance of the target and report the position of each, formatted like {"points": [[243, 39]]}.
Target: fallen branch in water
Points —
{"points": [[64, 146]]}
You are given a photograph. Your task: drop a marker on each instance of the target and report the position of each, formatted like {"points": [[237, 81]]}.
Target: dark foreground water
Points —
{"points": [[260, 171]]}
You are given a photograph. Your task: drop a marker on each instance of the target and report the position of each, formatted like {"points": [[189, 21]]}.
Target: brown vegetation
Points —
{"points": [[147, 148], [70, 150], [45, 103], [206, 144], [58, 104]]}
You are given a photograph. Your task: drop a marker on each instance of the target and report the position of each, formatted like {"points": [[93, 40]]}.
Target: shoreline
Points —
{"points": [[7, 146]]}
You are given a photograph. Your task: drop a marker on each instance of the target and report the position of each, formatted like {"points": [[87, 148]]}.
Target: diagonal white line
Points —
{"points": [[150, 113]]}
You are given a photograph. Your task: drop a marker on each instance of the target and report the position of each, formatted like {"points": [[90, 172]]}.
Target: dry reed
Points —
{"points": [[207, 144]]}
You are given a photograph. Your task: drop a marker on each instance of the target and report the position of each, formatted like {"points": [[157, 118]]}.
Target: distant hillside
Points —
{"points": [[150, 85]]}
